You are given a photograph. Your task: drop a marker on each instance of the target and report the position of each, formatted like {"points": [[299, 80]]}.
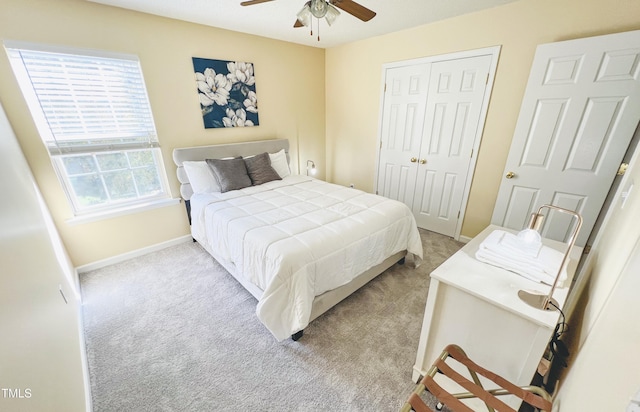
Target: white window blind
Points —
{"points": [[89, 103], [93, 114]]}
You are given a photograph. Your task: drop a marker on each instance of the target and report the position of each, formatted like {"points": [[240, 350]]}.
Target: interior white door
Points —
{"points": [[578, 115], [453, 113], [404, 97]]}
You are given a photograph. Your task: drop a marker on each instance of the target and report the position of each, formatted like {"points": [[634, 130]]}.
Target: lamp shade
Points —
{"points": [[535, 299], [311, 167], [332, 14], [304, 15], [319, 8]]}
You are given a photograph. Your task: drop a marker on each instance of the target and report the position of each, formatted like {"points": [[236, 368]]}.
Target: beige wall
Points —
{"points": [[354, 82], [41, 349], [290, 105], [603, 369]]}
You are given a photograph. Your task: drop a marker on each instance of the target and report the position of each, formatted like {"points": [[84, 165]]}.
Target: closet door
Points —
{"points": [[405, 96], [433, 113], [454, 109]]}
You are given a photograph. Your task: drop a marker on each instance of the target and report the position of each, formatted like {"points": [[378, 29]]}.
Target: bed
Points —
{"points": [[299, 245]]}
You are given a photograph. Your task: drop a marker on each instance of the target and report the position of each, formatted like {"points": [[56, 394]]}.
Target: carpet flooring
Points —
{"points": [[173, 331]]}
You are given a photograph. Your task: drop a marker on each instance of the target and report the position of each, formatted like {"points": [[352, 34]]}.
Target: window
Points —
{"points": [[93, 114]]}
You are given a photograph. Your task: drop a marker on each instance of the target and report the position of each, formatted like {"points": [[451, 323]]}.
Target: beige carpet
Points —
{"points": [[172, 331]]}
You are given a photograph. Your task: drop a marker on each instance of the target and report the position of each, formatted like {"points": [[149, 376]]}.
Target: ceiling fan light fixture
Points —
{"points": [[304, 15], [332, 14], [319, 8]]}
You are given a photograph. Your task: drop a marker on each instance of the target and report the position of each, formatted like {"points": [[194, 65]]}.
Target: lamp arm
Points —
{"points": [[565, 258]]}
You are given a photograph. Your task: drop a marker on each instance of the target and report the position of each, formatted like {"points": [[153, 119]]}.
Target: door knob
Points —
{"points": [[423, 161], [510, 175], [413, 160]]}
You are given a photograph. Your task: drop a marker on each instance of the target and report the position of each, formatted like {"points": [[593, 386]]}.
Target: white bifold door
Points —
{"points": [[433, 110], [580, 110]]}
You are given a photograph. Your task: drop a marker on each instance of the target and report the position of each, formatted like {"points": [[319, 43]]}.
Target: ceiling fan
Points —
{"points": [[326, 9]]}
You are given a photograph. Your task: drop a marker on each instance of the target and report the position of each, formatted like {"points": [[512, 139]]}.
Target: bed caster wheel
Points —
{"points": [[297, 335], [439, 406]]}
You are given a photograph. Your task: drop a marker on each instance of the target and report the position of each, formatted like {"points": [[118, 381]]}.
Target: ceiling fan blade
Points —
{"points": [[355, 9], [298, 24], [252, 2]]}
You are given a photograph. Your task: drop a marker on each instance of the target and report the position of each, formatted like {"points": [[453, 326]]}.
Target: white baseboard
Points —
{"points": [[465, 239], [88, 398], [135, 253]]}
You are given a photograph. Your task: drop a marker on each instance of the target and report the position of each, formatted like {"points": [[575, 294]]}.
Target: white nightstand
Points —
{"points": [[476, 306]]}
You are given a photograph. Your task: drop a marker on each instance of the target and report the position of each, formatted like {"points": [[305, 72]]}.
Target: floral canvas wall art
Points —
{"points": [[227, 92]]}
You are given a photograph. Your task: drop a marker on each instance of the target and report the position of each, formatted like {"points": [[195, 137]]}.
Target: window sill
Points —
{"points": [[94, 217]]}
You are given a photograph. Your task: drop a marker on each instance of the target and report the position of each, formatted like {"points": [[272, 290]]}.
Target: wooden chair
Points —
{"points": [[532, 395]]}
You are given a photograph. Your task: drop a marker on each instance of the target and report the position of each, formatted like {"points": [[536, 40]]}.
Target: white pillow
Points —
{"points": [[201, 177], [279, 163]]}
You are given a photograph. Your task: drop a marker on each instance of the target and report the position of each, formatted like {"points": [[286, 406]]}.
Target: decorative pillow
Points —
{"points": [[279, 163], [231, 174], [260, 170], [200, 177]]}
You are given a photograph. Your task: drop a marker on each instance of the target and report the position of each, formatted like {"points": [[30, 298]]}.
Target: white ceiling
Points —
{"points": [[275, 19]]}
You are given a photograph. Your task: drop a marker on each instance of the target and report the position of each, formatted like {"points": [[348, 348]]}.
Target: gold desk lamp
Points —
{"points": [[538, 300]]}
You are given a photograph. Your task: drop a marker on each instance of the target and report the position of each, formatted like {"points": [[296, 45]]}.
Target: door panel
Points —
{"points": [[577, 118], [453, 112], [562, 223], [397, 181], [402, 122], [521, 202]]}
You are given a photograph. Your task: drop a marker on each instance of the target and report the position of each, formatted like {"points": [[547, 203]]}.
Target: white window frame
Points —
{"points": [[131, 138]]}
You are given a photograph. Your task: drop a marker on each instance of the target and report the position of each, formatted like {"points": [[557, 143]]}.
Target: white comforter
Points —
{"points": [[297, 238]]}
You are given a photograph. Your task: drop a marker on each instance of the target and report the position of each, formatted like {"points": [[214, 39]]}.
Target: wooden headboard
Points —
{"points": [[222, 151]]}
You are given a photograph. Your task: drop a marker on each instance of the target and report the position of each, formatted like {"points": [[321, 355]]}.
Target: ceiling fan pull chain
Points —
{"points": [[318, 29]]}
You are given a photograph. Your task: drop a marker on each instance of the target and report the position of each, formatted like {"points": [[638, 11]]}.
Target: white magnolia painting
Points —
{"points": [[227, 92]]}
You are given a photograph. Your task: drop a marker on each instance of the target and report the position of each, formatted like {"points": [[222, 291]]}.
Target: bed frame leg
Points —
{"points": [[297, 335]]}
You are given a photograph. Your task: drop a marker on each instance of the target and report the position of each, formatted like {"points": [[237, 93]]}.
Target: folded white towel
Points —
{"points": [[541, 268], [527, 242]]}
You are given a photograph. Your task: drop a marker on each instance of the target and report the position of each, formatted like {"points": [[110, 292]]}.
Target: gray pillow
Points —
{"points": [[231, 174], [260, 170]]}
